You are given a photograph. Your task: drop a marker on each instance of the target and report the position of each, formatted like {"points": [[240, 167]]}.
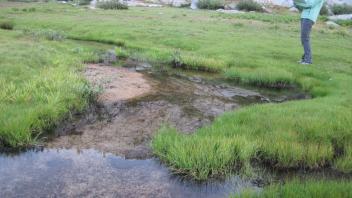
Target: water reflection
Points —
{"points": [[89, 173]]}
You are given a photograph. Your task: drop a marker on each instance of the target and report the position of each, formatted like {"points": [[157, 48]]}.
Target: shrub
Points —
{"points": [[31, 10], [82, 2], [341, 9], [324, 10], [112, 5], [347, 23], [249, 5], [211, 4], [7, 25]]}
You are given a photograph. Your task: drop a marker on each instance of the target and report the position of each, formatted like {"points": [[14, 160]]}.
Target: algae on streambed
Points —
{"points": [[133, 106]]}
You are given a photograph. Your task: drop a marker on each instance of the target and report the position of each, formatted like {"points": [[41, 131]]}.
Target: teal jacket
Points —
{"points": [[311, 8]]}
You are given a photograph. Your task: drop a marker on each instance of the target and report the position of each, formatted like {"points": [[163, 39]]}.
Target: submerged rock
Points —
{"points": [[109, 57], [143, 66]]}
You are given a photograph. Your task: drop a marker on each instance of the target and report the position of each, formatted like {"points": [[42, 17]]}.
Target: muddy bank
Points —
{"points": [[132, 106]]}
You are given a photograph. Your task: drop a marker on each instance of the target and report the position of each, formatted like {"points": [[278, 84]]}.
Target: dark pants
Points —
{"points": [[306, 27]]}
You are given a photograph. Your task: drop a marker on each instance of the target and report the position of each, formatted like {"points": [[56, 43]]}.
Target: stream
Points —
{"points": [[104, 151]]}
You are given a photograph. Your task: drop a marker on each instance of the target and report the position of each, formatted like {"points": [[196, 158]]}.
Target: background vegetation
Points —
{"points": [[112, 5], [211, 4], [249, 5], [341, 9], [311, 188]]}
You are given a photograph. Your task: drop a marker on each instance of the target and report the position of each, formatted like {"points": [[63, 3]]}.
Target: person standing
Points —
{"points": [[310, 12]]}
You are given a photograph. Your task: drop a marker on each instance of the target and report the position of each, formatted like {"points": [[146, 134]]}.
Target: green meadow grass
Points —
{"points": [[39, 86], [262, 51], [308, 189]]}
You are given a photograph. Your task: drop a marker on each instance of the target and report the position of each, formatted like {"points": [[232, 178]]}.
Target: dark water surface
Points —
{"points": [[89, 173]]}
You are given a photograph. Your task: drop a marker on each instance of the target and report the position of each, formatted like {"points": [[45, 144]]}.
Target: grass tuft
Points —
{"points": [[262, 77], [297, 188], [211, 4], [7, 25], [249, 5]]}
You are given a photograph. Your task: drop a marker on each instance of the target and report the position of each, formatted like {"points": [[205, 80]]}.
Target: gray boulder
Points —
{"points": [[231, 6], [340, 17], [332, 24], [179, 3], [194, 4], [293, 9], [266, 10]]}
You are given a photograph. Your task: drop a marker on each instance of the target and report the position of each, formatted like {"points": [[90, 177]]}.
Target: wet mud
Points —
{"points": [[133, 106]]}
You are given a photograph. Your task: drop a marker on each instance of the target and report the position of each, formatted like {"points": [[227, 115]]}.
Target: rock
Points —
{"points": [[179, 3], [230, 11], [293, 9], [282, 3], [330, 13], [194, 4], [93, 4], [141, 4], [176, 3], [231, 6], [332, 24], [340, 17], [266, 10], [143, 66], [109, 57]]}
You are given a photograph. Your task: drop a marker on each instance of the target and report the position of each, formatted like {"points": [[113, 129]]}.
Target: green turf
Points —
{"points": [[306, 189], [257, 49]]}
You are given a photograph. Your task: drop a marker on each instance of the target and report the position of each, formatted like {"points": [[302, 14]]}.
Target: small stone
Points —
{"points": [[179, 3], [143, 66]]}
